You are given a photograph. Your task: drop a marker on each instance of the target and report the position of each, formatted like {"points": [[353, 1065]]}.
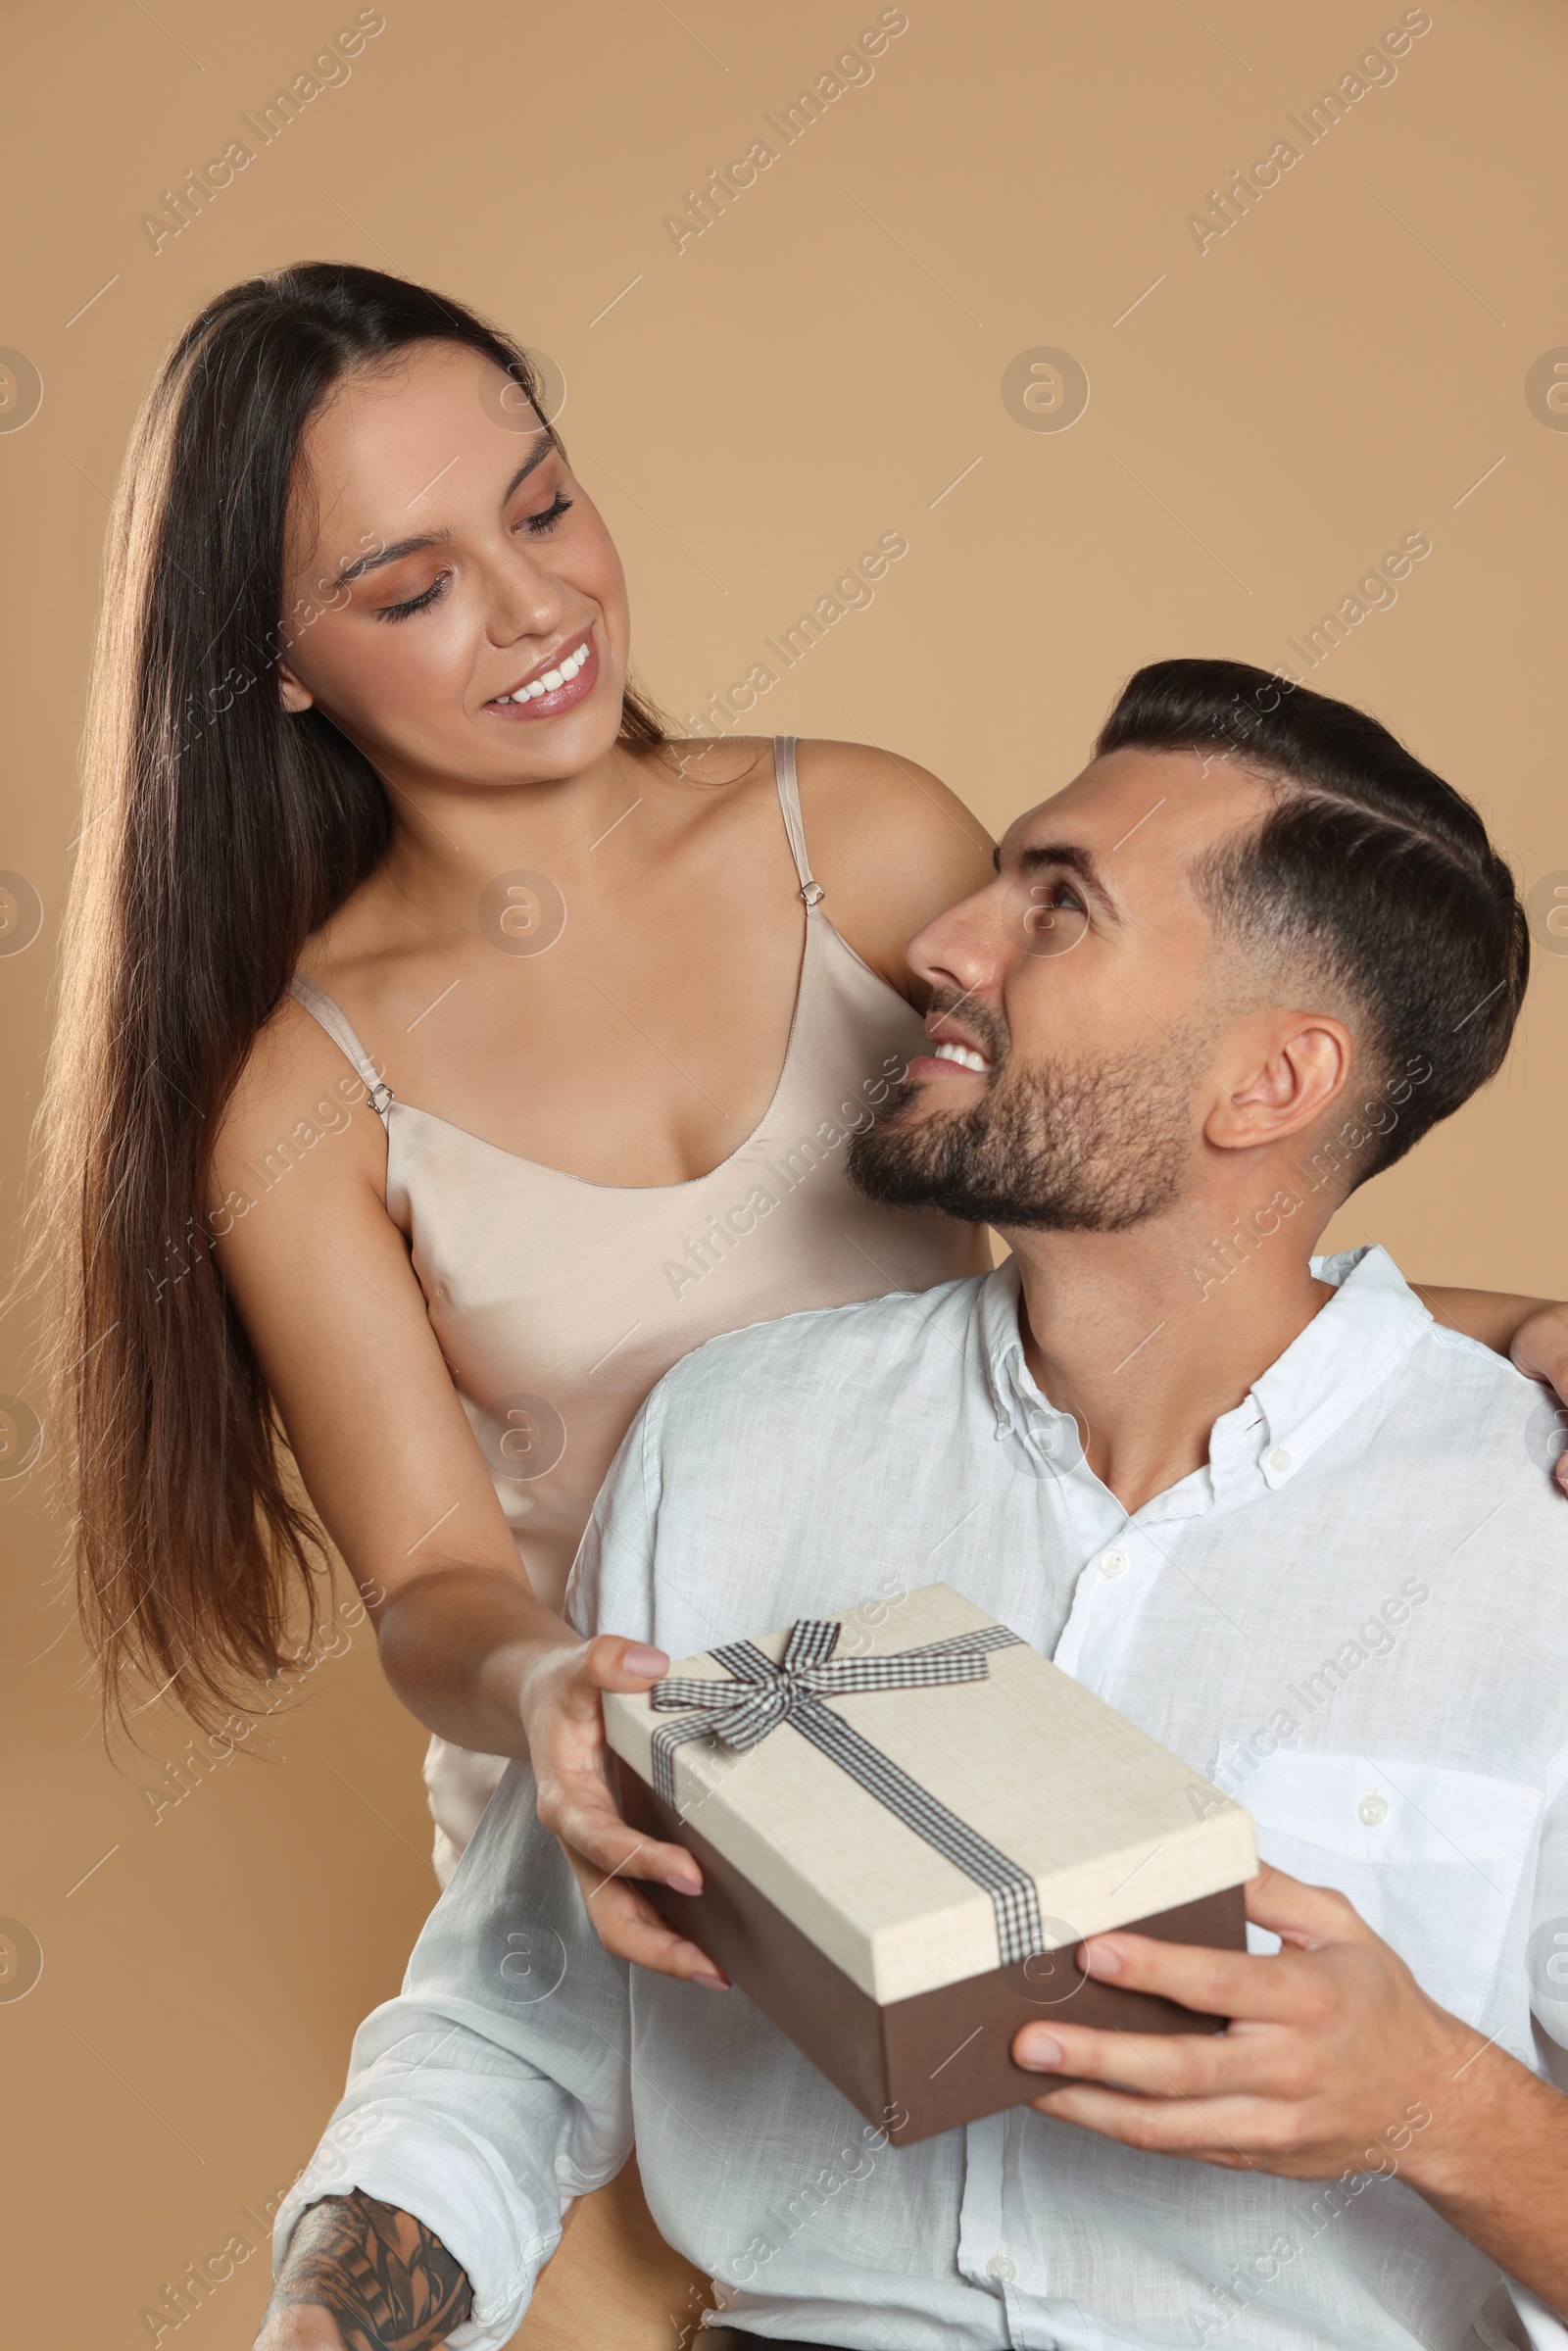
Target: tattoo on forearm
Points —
{"points": [[389, 2283]]}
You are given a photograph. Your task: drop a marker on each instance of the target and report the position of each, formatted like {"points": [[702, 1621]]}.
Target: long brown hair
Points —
{"points": [[218, 834]]}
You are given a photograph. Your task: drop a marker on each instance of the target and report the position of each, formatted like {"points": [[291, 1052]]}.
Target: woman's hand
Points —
{"points": [[1540, 1350], [562, 1716], [1533, 1332]]}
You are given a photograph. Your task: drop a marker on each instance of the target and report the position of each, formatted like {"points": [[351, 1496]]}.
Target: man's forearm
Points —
{"points": [[1498, 2174], [386, 2280]]}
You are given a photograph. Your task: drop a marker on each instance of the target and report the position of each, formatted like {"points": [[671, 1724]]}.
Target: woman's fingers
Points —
{"points": [[610, 1662], [562, 1694], [567, 1741], [630, 1927], [1539, 1350], [580, 1811], [567, 1744], [566, 1721]]}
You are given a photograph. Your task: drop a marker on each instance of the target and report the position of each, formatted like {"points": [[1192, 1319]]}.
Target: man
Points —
{"points": [[1262, 1503]]}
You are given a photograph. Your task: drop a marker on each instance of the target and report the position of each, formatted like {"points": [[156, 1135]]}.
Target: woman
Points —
{"points": [[366, 765]]}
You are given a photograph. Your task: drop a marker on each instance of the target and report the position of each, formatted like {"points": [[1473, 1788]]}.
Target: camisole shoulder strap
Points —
{"points": [[789, 800], [321, 1007]]}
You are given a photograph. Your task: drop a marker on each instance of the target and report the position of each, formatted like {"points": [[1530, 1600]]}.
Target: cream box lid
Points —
{"points": [[1109, 1824]]}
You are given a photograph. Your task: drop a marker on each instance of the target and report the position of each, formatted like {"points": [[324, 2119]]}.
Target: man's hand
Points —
{"points": [[360, 2276], [564, 1719], [1335, 2061]]}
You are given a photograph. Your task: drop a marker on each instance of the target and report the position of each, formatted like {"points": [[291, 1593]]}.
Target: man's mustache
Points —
{"points": [[988, 1025]]}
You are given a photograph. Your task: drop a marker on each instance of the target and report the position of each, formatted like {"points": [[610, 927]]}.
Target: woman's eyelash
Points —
{"points": [[535, 524], [416, 604], [553, 513]]}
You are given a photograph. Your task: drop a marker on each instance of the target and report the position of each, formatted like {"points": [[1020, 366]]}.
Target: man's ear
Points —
{"points": [[293, 695], [1290, 1068]]}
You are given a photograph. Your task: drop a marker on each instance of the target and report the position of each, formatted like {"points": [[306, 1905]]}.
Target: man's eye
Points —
{"points": [[1056, 920], [414, 603]]}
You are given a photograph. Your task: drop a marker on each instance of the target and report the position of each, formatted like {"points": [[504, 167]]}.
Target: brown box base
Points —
{"points": [[943, 2057]]}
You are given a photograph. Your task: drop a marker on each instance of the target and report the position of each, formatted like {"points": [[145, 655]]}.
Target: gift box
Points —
{"points": [[907, 1821]]}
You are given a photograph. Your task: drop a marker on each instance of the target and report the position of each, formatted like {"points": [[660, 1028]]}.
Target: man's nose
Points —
{"points": [[962, 952]]}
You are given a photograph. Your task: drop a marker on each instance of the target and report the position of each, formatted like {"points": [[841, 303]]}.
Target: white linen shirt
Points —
{"points": [[1352, 1617]]}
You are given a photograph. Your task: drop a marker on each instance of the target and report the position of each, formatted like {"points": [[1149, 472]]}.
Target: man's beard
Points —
{"points": [[1066, 1147]]}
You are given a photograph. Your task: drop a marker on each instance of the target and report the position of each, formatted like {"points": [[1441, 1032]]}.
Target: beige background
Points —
{"points": [[821, 366]]}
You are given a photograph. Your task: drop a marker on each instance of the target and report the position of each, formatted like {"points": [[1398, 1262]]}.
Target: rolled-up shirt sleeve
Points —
{"points": [[1547, 1953], [610, 1587], [496, 2085]]}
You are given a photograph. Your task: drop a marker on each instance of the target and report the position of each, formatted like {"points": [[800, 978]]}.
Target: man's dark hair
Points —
{"points": [[1369, 866]]}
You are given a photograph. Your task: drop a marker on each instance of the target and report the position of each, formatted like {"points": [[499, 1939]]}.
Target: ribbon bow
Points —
{"points": [[760, 1695], [743, 1711]]}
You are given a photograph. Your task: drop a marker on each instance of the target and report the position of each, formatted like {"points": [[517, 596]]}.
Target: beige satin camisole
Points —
{"points": [[559, 1303]]}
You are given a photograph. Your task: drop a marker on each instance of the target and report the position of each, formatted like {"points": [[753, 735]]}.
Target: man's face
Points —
{"points": [[1076, 1003]]}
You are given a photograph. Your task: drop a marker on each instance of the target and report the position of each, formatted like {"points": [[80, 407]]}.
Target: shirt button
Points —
{"points": [[1113, 1563], [1279, 1460], [1374, 1810], [1001, 2268]]}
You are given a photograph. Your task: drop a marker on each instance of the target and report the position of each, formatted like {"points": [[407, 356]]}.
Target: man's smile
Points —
{"points": [[953, 1048]]}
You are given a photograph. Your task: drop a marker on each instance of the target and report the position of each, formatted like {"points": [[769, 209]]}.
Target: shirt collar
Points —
{"points": [[1002, 1346], [1348, 1350]]}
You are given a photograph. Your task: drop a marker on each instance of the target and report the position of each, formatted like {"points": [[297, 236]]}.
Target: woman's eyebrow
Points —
{"points": [[360, 565]]}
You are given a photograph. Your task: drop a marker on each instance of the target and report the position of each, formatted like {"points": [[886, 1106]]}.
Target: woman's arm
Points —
{"points": [[1497, 1317], [323, 1279], [1532, 1331], [891, 847]]}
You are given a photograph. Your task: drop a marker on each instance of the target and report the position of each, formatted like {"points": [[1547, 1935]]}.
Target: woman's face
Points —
{"points": [[442, 568]]}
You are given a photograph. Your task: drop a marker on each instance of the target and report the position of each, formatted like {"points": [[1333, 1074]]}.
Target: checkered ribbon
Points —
{"points": [[760, 1695]]}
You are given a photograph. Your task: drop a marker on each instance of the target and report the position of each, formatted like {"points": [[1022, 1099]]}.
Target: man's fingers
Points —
{"points": [[1309, 1915], [1229, 2131], [1233, 1983], [1160, 2065], [1227, 1983]]}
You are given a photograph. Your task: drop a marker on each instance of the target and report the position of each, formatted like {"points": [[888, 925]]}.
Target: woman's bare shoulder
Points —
{"points": [[862, 782], [296, 1088], [890, 842]]}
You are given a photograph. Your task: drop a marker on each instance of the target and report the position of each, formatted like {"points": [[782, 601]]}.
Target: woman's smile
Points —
{"points": [[557, 683]]}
